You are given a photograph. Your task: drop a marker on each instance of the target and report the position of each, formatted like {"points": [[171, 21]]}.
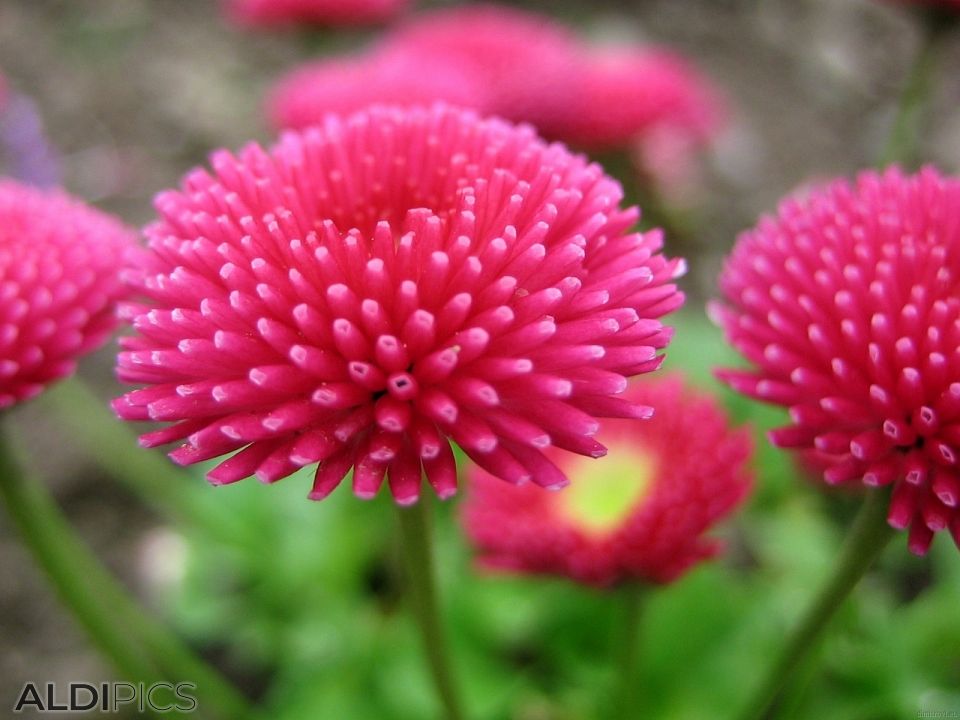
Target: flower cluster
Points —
{"points": [[516, 65], [847, 305], [60, 279], [319, 12], [381, 284], [638, 514]]}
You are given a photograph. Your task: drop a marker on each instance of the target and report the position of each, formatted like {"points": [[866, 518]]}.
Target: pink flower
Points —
{"points": [[522, 60], [303, 96], [320, 12], [620, 94], [524, 67], [59, 280], [638, 514], [382, 284], [846, 304]]}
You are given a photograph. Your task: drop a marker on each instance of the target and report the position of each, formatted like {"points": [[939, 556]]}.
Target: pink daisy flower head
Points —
{"points": [[625, 92], [270, 13], [523, 61], [381, 284], [847, 304], [639, 514], [305, 95], [59, 278]]}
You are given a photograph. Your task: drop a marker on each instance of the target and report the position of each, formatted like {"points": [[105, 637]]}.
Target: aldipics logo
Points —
{"points": [[160, 697]]}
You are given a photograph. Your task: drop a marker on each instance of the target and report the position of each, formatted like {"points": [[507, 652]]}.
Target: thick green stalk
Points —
{"points": [[633, 601], [141, 649], [868, 537], [417, 549]]}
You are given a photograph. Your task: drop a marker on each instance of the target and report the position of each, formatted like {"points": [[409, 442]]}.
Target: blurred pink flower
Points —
{"points": [[60, 264], [621, 94], [524, 67], [318, 12], [523, 60], [384, 283], [638, 514], [847, 304], [344, 85]]}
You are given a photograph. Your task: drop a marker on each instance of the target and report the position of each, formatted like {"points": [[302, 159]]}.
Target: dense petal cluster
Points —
{"points": [[381, 284], [638, 514], [346, 85], [315, 12], [60, 266], [848, 305]]}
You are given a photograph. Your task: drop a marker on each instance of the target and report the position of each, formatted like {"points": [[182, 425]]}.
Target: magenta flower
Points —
{"points": [[639, 514], [379, 285], [522, 60], [344, 85], [847, 306], [623, 94], [59, 279], [270, 13]]}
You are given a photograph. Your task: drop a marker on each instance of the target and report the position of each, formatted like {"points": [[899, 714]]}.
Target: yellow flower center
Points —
{"points": [[602, 493]]}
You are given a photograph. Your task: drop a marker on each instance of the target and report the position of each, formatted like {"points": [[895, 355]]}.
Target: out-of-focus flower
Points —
{"points": [[523, 60], [316, 12], [25, 153], [379, 285], [847, 304], [524, 67], [346, 85], [619, 94], [639, 514], [60, 264]]}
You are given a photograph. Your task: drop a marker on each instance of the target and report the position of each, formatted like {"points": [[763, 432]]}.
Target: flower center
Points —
{"points": [[604, 492]]}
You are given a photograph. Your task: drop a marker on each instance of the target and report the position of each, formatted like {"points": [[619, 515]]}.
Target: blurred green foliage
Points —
{"points": [[304, 605]]}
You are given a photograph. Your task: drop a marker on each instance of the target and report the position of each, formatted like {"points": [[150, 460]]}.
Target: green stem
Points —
{"points": [[632, 596], [902, 144], [415, 538], [45, 534], [152, 477], [868, 536], [141, 649]]}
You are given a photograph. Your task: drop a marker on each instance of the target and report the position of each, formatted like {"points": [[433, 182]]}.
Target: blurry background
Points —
{"points": [[302, 608]]}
